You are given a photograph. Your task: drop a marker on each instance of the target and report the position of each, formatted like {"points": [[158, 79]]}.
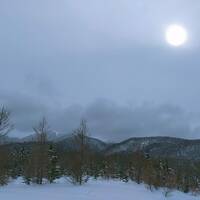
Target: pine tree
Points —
{"points": [[4, 167], [53, 168]]}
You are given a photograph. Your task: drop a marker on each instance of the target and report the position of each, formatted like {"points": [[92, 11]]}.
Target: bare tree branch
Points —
{"points": [[42, 131], [5, 124]]}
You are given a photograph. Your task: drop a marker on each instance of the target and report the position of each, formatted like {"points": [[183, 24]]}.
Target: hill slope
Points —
{"points": [[155, 146]]}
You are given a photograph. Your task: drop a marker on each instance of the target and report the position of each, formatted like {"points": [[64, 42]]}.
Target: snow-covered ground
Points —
{"points": [[93, 190]]}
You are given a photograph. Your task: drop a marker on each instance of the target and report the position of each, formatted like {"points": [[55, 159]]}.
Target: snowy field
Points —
{"points": [[93, 190]]}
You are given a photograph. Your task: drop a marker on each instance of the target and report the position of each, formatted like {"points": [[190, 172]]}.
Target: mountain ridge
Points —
{"points": [[157, 146]]}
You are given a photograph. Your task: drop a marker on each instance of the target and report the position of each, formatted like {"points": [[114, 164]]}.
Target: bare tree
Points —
{"points": [[78, 169], [5, 124], [80, 137], [42, 131], [5, 127], [36, 169]]}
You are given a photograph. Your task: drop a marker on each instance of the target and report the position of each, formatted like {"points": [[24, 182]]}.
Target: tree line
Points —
{"points": [[42, 161]]}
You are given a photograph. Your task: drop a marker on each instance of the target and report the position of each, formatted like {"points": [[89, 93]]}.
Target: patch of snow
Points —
{"points": [[93, 190]]}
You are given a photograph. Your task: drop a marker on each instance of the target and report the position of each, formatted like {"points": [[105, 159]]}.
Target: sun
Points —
{"points": [[176, 35]]}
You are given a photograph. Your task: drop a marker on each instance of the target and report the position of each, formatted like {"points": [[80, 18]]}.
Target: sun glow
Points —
{"points": [[176, 35]]}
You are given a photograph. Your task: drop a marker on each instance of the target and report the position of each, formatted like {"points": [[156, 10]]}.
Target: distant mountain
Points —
{"points": [[67, 143], [64, 141], [51, 136], [6, 140], [140, 144], [159, 147], [167, 147]]}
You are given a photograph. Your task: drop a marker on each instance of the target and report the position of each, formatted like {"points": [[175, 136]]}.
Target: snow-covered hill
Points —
{"points": [[159, 147], [94, 144], [93, 190], [155, 146]]}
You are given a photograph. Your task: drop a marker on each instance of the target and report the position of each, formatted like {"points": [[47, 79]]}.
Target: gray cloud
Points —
{"points": [[25, 110], [112, 121], [106, 119], [58, 55]]}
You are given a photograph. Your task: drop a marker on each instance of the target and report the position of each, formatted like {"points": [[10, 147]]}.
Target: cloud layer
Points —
{"points": [[56, 58], [106, 119]]}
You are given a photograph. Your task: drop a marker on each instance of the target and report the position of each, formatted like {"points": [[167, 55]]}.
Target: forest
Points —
{"points": [[43, 162]]}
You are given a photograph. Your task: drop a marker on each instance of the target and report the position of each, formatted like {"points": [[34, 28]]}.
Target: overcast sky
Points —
{"points": [[104, 60]]}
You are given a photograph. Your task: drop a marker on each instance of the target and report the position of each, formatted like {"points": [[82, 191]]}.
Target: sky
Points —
{"points": [[106, 61]]}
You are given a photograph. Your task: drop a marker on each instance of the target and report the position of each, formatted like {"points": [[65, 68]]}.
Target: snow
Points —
{"points": [[93, 190]]}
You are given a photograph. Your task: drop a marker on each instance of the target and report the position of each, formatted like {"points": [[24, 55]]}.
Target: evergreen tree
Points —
{"points": [[53, 168], [4, 166]]}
